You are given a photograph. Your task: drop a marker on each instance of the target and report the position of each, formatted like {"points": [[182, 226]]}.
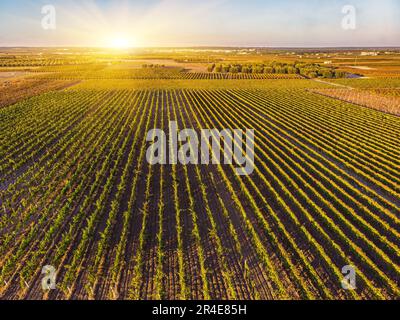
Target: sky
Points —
{"points": [[172, 23]]}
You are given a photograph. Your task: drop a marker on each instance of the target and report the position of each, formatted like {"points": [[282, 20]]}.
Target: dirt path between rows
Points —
{"points": [[333, 84]]}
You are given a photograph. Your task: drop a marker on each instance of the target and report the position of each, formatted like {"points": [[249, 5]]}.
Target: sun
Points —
{"points": [[121, 42]]}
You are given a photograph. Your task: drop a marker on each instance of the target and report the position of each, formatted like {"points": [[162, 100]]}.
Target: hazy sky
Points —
{"points": [[201, 22]]}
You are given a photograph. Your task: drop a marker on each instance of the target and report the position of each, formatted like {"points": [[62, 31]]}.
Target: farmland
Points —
{"points": [[385, 100], [77, 192]]}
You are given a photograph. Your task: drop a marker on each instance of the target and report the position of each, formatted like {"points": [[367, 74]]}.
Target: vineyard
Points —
{"points": [[200, 158], [369, 83], [17, 90], [77, 193], [104, 73], [385, 100]]}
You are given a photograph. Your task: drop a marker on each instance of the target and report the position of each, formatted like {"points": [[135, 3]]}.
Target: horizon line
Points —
{"points": [[202, 46]]}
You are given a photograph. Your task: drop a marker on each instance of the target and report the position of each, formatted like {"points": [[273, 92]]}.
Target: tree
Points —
{"points": [[278, 69], [327, 74], [340, 74], [292, 70], [258, 69], [226, 68], [269, 70], [312, 74]]}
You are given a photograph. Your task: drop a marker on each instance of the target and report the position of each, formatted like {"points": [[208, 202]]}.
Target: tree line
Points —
{"points": [[305, 69], [151, 65]]}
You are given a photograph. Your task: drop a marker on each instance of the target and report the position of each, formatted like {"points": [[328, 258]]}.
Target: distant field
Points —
{"points": [[156, 73], [200, 84], [385, 100], [14, 90], [369, 83]]}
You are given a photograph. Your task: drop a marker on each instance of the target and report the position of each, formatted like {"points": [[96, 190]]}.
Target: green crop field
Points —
{"points": [[77, 192]]}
